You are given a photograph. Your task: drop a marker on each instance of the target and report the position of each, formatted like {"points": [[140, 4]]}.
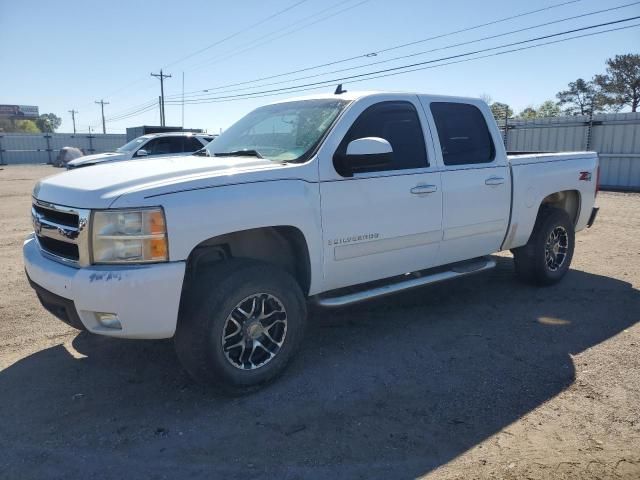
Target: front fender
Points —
{"points": [[195, 216]]}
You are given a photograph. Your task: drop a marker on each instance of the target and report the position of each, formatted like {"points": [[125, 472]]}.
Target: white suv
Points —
{"points": [[152, 145]]}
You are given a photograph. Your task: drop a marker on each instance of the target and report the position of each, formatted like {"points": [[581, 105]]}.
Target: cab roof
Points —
{"points": [[358, 94]]}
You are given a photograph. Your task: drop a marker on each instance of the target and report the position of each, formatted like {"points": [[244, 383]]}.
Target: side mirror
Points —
{"points": [[364, 154], [142, 153]]}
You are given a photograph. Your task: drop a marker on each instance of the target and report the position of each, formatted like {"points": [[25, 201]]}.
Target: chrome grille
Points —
{"points": [[62, 232]]}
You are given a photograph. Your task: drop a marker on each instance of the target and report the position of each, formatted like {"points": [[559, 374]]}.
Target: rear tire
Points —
{"points": [[240, 324], [546, 257]]}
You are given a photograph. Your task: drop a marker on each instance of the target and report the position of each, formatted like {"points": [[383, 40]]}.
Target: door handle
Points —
{"points": [[494, 181], [422, 189]]}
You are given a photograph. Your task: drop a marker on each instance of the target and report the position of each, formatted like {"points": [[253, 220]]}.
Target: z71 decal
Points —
{"points": [[586, 176]]}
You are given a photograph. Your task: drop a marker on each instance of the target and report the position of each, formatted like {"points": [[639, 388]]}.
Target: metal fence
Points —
{"points": [[615, 136], [18, 148]]}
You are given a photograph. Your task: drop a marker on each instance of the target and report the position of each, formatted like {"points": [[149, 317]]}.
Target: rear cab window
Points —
{"points": [[464, 136]]}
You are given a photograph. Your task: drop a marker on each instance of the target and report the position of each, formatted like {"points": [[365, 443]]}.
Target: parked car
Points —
{"points": [[67, 154], [152, 145], [334, 199]]}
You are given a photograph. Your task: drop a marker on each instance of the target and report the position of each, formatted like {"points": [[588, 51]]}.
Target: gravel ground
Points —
{"points": [[479, 378]]}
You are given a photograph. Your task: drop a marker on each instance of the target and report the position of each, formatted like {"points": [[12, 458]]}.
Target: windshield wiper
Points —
{"points": [[239, 153]]}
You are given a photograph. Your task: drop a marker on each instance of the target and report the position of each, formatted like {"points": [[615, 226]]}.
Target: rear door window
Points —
{"points": [[463, 132]]}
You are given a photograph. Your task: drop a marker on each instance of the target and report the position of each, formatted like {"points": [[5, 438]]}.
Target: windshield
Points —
{"points": [[281, 132], [132, 145]]}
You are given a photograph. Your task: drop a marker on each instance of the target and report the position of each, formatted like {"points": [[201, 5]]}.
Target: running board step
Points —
{"points": [[457, 270]]}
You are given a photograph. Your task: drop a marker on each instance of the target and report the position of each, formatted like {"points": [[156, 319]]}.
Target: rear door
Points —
{"points": [[384, 221], [475, 182]]}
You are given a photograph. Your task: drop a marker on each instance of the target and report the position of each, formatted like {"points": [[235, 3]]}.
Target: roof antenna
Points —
{"points": [[339, 90]]}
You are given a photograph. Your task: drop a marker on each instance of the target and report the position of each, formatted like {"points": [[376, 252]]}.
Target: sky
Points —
{"points": [[66, 55]]}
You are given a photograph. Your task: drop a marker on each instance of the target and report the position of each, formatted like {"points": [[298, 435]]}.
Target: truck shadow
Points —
{"points": [[389, 389]]}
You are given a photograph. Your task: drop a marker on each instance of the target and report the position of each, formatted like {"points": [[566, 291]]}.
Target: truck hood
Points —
{"points": [[97, 158], [101, 185]]}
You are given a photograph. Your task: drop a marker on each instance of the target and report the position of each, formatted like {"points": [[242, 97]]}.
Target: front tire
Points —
{"points": [[240, 324], [546, 257]]}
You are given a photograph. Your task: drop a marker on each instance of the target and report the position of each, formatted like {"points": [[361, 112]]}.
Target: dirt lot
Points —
{"points": [[480, 378]]}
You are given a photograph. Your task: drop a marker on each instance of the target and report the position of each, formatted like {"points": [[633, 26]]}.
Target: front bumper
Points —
{"points": [[145, 298]]}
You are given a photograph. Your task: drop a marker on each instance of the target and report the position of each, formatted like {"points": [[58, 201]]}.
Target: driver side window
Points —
{"points": [[399, 124]]}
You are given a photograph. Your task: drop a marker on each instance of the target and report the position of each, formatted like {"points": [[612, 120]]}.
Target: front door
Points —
{"points": [[385, 221]]}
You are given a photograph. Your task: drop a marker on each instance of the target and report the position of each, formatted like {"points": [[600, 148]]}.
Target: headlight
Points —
{"points": [[129, 236]]}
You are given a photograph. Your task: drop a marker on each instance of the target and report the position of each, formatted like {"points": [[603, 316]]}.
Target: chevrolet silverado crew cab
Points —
{"points": [[332, 199], [152, 145]]}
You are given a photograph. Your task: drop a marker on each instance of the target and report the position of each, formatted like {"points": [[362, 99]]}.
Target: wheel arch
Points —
{"points": [[283, 245], [567, 200], [528, 210]]}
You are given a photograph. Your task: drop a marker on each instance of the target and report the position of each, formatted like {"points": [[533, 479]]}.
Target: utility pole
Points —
{"points": [[161, 76], [102, 104], [160, 109], [73, 117]]}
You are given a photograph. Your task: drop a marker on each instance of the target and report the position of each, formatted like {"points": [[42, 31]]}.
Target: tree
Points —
{"points": [[621, 84], [498, 109], [6, 125], [48, 122], [26, 126], [528, 113], [581, 97], [548, 108]]}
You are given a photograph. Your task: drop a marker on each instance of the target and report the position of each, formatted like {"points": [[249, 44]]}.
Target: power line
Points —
{"points": [[235, 34], [301, 89], [298, 90], [370, 54], [395, 47], [332, 7], [194, 96], [403, 67], [135, 113], [229, 37], [260, 41], [135, 108]]}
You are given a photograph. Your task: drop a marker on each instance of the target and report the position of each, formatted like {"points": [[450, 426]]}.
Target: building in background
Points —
{"points": [[19, 112]]}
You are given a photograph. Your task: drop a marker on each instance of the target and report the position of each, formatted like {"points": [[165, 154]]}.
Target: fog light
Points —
{"points": [[109, 320]]}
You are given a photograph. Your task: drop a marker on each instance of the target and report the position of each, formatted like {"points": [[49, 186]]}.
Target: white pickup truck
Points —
{"points": [[331, 198]]}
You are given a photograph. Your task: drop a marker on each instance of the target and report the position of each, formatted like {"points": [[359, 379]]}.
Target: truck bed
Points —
{"points": [[535, 176]]}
